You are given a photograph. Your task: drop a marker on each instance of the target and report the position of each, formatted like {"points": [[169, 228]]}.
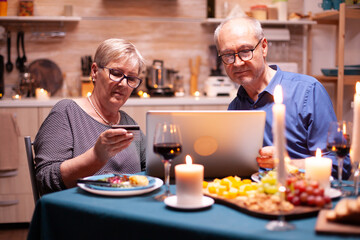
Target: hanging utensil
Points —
{"points": [[18, 59], [2, 85], [9, 66], [24, 59]]}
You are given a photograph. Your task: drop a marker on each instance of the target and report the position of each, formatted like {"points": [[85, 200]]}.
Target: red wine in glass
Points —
{"points": [[167, 143], [168, 150], [340, 150], [339, 142]]}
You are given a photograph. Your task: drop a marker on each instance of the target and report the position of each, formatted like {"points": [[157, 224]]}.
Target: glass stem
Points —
{"points": [[167, 165], [340, 171], [356, 184], [356, 178]]}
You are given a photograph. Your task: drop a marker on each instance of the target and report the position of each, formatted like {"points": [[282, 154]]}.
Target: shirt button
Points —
{"points": [[255, 106]]}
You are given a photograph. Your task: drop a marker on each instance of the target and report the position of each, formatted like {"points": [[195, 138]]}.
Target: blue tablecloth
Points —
{"points": [[77, 214]]}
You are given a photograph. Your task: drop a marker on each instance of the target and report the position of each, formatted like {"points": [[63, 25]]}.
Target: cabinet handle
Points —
{"points": [[8, 203], [8, 173]]}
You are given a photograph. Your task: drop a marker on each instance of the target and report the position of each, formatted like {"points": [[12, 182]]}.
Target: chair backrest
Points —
{"points": [[31, 164]]}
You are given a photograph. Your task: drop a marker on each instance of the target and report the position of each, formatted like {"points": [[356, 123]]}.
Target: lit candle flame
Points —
{"points": [[188, 160], [318, 153], [197, 94], [344, 128], [278, 95], [357, 87]]}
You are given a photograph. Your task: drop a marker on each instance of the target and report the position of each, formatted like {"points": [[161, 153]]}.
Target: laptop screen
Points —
{"points": [[225, 142]]}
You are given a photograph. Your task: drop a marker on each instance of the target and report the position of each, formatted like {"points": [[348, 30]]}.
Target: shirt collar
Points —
{"points": [[270, 88], [276, 80]]}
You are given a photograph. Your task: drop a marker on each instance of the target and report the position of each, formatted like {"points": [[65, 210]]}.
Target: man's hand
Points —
{"points": [[266, 157]]}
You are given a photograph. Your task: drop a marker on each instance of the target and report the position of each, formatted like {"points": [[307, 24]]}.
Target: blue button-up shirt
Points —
{"points": [[309, 112]]}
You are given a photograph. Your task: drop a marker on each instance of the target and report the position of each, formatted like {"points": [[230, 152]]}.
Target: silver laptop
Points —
{"points": [[225, 142]]}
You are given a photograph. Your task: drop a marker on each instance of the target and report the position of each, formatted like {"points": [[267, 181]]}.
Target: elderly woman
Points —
{"points": [[77, 139]]}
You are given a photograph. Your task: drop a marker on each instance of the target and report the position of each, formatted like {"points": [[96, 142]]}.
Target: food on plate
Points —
{"points": [[346, 211], [126, 181], [248, 194], [138, 180], [305, 192]]}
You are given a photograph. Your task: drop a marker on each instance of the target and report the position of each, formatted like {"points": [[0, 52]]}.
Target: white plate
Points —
{"points": [[256, 177], [333, 193], [172, 202], [98, 177], [158, 183]]}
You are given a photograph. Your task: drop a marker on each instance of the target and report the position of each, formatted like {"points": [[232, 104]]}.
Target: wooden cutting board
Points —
{"points": [[327, 227], [297, 213]]}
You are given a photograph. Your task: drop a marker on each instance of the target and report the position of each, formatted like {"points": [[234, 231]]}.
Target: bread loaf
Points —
{"points": [[346, 211]]}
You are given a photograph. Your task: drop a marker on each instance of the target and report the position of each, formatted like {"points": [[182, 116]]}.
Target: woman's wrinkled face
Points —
{"points": [[111, 92]]}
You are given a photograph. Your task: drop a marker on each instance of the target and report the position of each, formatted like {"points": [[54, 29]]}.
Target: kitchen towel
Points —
{"points": [[9, 142]]}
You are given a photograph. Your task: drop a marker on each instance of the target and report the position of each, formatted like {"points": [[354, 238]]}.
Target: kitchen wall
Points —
{"points": [[170, 30]]}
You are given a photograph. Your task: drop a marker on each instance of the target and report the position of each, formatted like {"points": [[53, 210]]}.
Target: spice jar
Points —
{"points": [[3, 7], [26, 8], [259, 12]]}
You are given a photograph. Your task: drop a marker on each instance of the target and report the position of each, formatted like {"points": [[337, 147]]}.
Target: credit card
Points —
{"points": [[134, 129]]}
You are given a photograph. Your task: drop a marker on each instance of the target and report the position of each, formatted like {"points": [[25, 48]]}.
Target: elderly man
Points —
{"points": [[243, 48]]}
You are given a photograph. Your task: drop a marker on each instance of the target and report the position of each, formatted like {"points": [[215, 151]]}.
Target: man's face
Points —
{"points": [[237, 36]]}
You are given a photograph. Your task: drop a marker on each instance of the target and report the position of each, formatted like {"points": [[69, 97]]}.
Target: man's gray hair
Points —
{"points": [[254, 23]]}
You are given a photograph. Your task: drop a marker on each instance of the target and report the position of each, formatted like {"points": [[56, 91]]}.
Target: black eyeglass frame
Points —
{"points": [[123, 77], [238, 54]]}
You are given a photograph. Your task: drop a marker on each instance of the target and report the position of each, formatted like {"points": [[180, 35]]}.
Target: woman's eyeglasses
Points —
{"points": [[117, 76]]}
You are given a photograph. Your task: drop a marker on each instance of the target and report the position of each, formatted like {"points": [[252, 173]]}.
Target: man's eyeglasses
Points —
{"points": [[117, 76], [244, 55]]}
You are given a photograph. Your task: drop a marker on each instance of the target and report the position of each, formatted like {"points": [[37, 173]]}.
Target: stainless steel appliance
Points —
{"points": [[160, 80], [217, 83]]}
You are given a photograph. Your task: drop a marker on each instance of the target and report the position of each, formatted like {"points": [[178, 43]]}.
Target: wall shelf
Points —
{"points": [[212, 21], [338, 18], [39, 19], [348, 79]]}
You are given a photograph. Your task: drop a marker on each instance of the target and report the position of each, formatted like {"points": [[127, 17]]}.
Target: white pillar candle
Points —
{"points": [[41, 94], [355, 147], [319, 169], [189, 178], [279, 134]]}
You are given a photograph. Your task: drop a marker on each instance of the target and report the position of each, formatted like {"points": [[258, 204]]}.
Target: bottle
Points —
{"points": [[2, 85], [3, 7], [282, 6], [210, 8]]}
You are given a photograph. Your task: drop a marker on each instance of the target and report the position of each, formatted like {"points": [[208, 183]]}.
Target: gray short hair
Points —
{"points": [[115, 49], [254, 23]]}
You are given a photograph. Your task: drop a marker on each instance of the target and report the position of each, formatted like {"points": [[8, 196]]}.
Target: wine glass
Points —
{"points": [[280, 224], [355, 167], [356, 178], [339, 142], [168, 144]]}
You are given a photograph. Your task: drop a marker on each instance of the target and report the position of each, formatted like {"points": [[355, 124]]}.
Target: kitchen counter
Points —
{"points": [[132, 101]]}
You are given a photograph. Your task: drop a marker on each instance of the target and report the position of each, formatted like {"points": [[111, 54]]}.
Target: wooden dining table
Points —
{"points": [[78, 214]]}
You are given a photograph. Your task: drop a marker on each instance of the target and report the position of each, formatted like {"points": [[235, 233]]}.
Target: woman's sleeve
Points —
{"points": [[53, 145]]}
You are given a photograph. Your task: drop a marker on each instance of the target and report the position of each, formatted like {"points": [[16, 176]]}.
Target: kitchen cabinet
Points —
{"points": [[16, 199], [338, 18]]}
